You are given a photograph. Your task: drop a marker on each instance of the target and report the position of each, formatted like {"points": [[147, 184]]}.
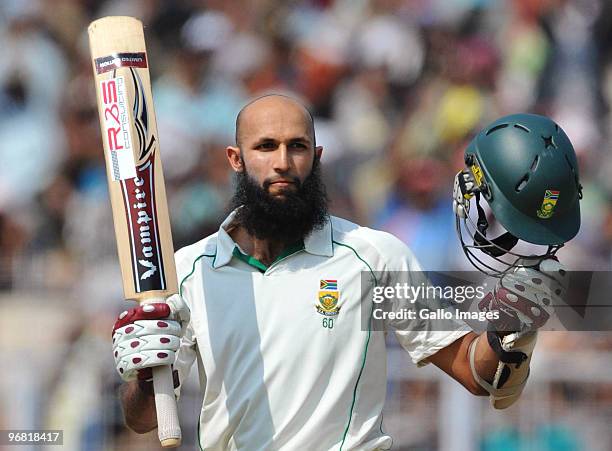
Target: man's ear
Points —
{"points": [[318, 151], [234, 158]]}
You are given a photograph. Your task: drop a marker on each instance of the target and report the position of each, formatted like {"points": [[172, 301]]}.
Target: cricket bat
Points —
{"points": [[136, 182]]}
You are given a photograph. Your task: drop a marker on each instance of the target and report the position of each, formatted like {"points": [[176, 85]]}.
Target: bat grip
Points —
{"points": [[168, 427]]}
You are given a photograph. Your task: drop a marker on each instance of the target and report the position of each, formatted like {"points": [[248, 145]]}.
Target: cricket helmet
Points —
{"points": [[525, 167]]}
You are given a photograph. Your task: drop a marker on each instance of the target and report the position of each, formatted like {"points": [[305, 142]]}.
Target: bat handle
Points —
{"points": [[168, 427]]}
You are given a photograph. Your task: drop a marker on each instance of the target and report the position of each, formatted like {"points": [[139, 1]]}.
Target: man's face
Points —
{"points": [[279, 188], [276, 145]]}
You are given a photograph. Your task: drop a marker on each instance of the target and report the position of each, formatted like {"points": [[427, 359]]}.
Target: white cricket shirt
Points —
{"points": [[283, 360]]}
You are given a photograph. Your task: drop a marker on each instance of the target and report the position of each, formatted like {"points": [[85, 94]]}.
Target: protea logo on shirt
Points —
{"points": [[328, 298]]}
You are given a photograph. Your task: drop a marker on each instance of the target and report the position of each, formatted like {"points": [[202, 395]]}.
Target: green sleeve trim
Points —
{"points": [[365, 352]]}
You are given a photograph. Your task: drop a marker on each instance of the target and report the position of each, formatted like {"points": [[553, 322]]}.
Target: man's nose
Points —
{"points": [[281, 160]]}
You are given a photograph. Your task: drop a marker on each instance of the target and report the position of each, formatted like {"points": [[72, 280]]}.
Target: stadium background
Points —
{"points": [[397, 88]]}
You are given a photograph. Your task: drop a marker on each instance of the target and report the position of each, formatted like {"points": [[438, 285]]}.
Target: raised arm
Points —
{"points": [[497, 363]]}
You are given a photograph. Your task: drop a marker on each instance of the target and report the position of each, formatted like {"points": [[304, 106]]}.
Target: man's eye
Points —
{"points": [[266, 145], [298, 145]]}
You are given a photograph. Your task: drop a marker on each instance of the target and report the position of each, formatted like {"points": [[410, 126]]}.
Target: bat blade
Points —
{"points": [[136, 181]]}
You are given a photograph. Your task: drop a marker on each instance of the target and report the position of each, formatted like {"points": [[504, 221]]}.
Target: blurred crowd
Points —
{"points": [[397, 89]]}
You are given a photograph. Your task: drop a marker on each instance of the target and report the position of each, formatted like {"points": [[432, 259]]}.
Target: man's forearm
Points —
{"points": [[138, 403], [454, 360]]}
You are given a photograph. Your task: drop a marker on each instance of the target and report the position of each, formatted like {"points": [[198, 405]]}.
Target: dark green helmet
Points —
{"points": [[525, 167]]}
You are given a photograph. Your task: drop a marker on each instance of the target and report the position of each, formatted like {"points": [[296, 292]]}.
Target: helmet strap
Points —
{"points": [[482, 223]]}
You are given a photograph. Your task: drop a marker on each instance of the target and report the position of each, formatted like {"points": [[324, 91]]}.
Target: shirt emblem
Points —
{"points": [[328, 298]]}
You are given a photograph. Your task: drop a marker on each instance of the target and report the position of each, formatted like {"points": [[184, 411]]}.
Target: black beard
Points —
{"points": [[289, 219]]}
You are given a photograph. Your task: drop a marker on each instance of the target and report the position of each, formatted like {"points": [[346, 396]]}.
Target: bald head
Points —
{"points": [[270, 111]]}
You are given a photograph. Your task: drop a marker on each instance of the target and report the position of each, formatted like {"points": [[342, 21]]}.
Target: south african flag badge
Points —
{"points": [[328, 297], [547, 208]]}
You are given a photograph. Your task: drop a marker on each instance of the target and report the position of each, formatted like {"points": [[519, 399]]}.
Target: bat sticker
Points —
{"points": [[141, 117], [116, 60], [116, 128], [139, 202]]}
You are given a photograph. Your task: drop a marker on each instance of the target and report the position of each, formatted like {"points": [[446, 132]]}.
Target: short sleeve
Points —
{"points": [[420, 337], [423, 336], [423, 343]]}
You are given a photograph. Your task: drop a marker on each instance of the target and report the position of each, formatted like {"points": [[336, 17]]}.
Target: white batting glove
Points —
{"points": [[148, 336], [525, 296]]}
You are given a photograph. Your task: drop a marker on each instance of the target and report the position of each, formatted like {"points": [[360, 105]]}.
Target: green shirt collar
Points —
{"points": [[319, 242], [259, 265]]}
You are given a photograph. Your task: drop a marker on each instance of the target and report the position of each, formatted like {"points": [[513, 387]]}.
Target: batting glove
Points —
{"points": [[462, 193], [525, 296], [147, 336]]}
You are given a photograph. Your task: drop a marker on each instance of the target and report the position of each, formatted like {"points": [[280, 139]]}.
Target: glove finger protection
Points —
{"points": [[147, 336], [525, 297]]}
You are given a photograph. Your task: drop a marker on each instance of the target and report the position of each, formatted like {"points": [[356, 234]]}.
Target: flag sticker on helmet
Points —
{"points": [[548, 204]]}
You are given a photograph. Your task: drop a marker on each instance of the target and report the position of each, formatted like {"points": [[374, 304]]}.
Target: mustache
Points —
{"points": [[269, 181]]}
